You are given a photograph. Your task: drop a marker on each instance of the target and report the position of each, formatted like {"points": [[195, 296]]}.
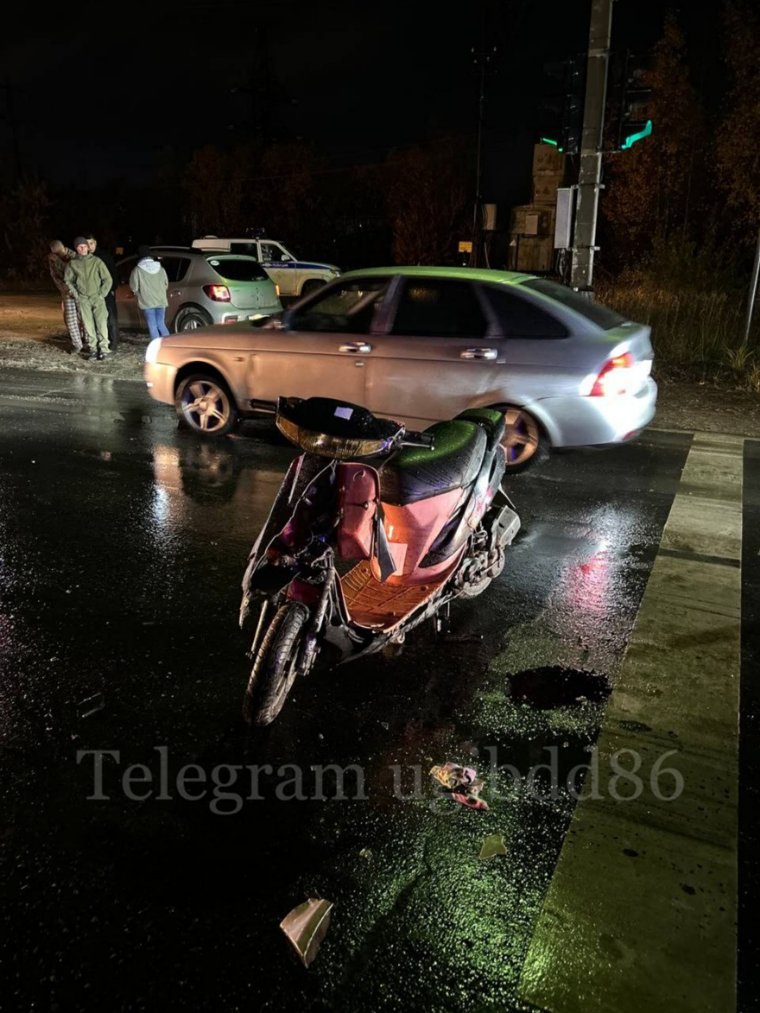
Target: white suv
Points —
{"points": [[293, 277]]}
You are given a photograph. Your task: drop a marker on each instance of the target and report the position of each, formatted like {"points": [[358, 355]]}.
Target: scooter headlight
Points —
{"points": [[336, 429], [342, 448]]}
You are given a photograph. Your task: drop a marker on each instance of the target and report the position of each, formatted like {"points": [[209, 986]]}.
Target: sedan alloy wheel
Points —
{"points": [[205, 404], [522, 438]]}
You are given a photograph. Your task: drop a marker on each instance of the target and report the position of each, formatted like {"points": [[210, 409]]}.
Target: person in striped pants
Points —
{"points": [[58, 258]]}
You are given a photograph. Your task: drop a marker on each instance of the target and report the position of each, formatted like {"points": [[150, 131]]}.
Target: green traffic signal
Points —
{"points": [[549, 140], [631, 139]]}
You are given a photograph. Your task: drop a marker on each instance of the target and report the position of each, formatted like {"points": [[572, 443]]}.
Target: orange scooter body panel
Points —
{"points": [[411, 530], [358, 494]]}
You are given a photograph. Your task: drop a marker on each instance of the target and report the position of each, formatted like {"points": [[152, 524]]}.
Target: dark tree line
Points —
{"points": [[688, 195]]}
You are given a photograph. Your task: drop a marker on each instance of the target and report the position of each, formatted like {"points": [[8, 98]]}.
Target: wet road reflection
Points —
{"points": [[122, 546]]}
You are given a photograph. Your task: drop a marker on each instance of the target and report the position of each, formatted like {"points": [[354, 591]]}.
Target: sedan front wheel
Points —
{"points": [[204, 403]]}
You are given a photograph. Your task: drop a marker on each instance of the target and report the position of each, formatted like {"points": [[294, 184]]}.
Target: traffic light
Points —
{"points": [[635, 123], [562, 107], [572, 114]]}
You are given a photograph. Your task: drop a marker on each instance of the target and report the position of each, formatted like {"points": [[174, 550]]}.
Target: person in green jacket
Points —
{"points": [[149, 283], [88, 281]]}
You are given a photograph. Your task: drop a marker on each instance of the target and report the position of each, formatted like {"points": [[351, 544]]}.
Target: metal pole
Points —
{"points": [[479, 147], [590, 173], [752, 291], [11, 110]]}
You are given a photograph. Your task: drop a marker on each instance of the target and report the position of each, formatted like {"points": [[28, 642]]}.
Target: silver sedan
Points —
{"points": [[420, 344]]}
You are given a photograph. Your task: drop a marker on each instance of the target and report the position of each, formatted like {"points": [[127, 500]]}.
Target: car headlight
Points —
{"points": [[151, 352]]}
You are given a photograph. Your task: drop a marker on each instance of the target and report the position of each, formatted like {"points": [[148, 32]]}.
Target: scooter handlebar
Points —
{"points": [[413, 439]]}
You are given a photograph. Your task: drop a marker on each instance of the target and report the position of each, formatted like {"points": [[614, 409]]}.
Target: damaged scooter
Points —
{"points": [[374, 530]]}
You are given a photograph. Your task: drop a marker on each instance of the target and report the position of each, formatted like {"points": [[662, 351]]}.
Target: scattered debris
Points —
{"points": [[306, 927], [462, 783], [90, 705], [471, 801], [492, 846]]}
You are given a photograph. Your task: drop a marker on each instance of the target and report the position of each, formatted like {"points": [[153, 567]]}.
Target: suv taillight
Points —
{"points": [[617, 376], [219, 293]]}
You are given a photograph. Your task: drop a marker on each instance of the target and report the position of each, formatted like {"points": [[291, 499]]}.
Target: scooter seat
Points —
{"points": [[416, 473], [490, 419]]}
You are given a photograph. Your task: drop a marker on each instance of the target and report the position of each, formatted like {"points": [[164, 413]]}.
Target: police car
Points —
{"points": [[292, 276]]}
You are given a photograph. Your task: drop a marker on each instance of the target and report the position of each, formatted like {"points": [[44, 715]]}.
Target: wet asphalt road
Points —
{"points": [[123, 541]]}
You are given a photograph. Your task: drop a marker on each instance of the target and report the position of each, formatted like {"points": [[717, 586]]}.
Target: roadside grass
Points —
{"points": [[697, 335]]}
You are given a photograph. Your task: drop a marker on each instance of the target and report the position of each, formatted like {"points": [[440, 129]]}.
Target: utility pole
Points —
{"points": [[590, 174], [10, 109], [478, 164], [264, 94], [482, 59]]}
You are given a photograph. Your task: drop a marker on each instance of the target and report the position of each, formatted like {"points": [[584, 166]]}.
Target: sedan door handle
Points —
{"points": [[356, 347], [478, 353]]}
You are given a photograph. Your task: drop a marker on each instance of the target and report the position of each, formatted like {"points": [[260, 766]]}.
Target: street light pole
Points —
{"points": [[11, 115], [482, 58], [590, 174], [479, 159]]}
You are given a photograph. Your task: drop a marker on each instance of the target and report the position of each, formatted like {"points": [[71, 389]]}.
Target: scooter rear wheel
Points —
{"points": [[274, 667]]}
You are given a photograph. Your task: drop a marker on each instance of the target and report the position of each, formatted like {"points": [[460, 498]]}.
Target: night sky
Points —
{"points": [[91, 101]]}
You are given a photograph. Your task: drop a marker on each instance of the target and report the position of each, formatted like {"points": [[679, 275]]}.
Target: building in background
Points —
{"points": [[531, 229]]}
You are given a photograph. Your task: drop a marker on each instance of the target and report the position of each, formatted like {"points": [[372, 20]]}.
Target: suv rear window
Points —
{"points": [[238, 269], [598, 314]]}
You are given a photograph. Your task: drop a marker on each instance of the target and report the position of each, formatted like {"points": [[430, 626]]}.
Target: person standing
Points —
{"points": [[149, 283], [113, 322], [88, 281], [58, 258]]}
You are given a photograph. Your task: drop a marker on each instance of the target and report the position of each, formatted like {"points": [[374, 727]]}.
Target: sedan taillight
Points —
{"points": [[219, 293], [617, 376]]}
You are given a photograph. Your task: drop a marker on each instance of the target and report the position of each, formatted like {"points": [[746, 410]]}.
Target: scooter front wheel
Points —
{"points": [[275, 665]]}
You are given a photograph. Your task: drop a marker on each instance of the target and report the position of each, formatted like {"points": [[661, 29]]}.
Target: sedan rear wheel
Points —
{"points": [[522, 440], [204, 403]]}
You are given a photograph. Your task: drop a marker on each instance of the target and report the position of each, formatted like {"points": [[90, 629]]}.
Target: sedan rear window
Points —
{"points": [[433, 307], [238, 269], [520, 318], [598, 314]]}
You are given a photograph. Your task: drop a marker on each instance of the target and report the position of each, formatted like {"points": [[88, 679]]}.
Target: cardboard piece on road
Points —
{"points": [[306, 927], [492, 846]]}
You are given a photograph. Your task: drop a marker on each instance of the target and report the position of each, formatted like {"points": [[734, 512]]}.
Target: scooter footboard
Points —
{"points": [[380, 605]]}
